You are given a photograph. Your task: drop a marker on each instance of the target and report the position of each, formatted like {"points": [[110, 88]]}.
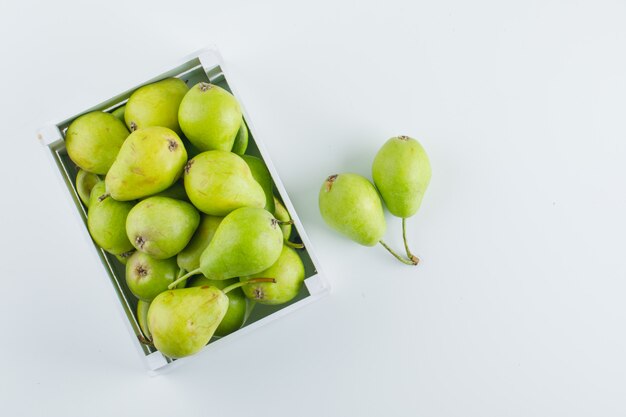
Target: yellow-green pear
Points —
{"points": [[281, 214], [119, 113], [210, 117], [237, 304], [247, 241], [93, 141], [156, 104], [350, 204], [142, 318], [241, 140], [85, 182], [262, 175], [401, 172], [123, 257], [150, 161], [147, 277], [106, 221], [161, 226], [189, 258], [176, 191], [288, 271], [218, 182], [182, 321]]}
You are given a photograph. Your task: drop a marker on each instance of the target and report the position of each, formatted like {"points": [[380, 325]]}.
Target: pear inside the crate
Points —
{"points": [[85, 181], [94, 140], [210, 117], [156, 104], [218, 182]]}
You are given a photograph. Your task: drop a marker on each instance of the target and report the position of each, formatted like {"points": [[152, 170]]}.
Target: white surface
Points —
{"points": [[518, 308]]}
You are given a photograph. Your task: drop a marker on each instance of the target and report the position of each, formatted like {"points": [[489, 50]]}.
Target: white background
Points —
{"points": [[518, 307]]}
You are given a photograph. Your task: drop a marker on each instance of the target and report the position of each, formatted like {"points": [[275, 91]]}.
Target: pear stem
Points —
{"points": [[144, 340], [184, 277], [412, 257], [241, 284], [294, 245], [398, 257], [284, 222]]}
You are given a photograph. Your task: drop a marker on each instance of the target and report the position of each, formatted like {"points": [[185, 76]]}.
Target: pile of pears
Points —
{"points": [[171, 193], [352, 205]]}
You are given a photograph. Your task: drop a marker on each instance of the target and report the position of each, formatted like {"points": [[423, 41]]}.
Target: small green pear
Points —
{"points": [[189, 258], [281, 213], [237, 304], [210, 117], [85, 182], [156, 104], [119, 113], [93, 141], [142, 318], [123, 257], [147, 277], [106, 221], [247, 241], [241, 140], [176, 191], [262, 175], [401, 172], [288, 271], [182, 321], [218, 182], [161, 226], [150, 161], [283, 216], [350, 204], [192, 151]]}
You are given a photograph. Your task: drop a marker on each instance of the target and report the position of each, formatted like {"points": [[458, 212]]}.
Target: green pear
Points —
{"points": [[218, 182], [401, 172], [150, 161], [106, 221], [123, 257], [246, 242], [189, 258], [176, 191], [147, 277], [350, 204], [281, 213], [119, 113], [156, 104], [241, 140], [161, 226], [210, 117], [85, 182], [236, 313], [192, 151], [142, 318], [288, 271], [182, 321], [283, 216], [93, 141], [262, 175]]}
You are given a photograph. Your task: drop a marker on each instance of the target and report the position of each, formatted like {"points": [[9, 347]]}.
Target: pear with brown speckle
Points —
{"points": [[150, 161]]}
